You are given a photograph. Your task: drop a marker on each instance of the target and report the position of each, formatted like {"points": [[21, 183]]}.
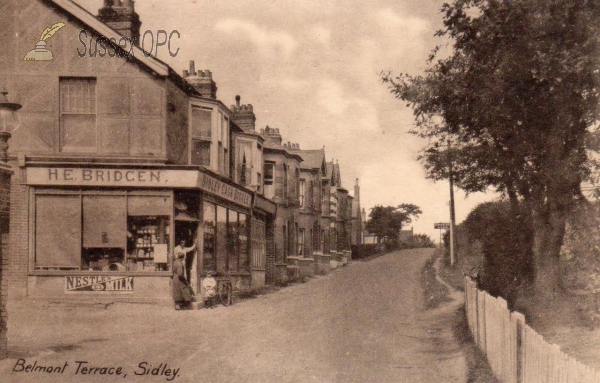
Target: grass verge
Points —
{"points": [[435, 294]]}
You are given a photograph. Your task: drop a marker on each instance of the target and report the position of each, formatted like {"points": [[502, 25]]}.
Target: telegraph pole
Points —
{"points": [[452, 216]]}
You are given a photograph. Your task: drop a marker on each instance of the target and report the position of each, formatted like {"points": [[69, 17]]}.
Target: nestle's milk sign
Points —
{"points": [[98, 284]]}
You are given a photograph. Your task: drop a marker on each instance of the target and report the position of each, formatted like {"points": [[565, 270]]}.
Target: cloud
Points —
{"points": [[331, 96], [410, 26], [270, 43], [321, 35]]}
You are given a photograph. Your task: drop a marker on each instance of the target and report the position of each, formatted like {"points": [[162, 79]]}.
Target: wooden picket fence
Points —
{"points": [[516, 353]]}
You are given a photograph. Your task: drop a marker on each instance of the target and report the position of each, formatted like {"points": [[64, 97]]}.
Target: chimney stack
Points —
{"points": [[120, 15], [201, 81], [243, 115], [273, 135]]}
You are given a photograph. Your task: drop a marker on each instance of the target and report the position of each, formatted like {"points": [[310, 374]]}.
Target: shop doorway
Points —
{"points": [[186, 230]]}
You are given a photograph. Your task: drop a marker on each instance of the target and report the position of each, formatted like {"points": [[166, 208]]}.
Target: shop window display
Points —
{"points": [[225, 240], [106, 233], [148, 239]]}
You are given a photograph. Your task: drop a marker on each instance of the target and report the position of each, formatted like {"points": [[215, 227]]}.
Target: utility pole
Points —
{"points": [[452, 216]]}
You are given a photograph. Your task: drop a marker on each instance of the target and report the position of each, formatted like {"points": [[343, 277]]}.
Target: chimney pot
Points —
{"points": [[237, 102], [185, 73], [121, 16], [192, 68]]}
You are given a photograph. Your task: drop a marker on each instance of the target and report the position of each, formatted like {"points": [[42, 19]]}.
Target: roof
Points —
{"points": [[273, 147], [313, 159], [141, 56], [90, 20]]}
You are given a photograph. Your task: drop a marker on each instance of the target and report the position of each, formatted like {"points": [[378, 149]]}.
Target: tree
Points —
{"points": [[517, 98], [386, 222], [420, 241]]}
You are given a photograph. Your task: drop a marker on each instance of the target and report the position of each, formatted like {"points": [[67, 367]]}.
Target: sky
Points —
{"points": [[312, 69]]}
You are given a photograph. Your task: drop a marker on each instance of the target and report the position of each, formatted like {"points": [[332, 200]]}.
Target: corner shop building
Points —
{"points": [[108, 232], [116, 160]]}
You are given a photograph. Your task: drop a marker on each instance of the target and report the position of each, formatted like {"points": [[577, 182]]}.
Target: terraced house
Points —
{"points": [[119, 158]]}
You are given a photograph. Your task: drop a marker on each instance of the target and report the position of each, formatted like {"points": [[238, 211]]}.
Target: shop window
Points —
{"points": [[78, 115], [148, 233], [210, 227], [243, 242], [232, 241], [104, 223], [148, 241], [221, 240], [95, 232], [57, 232]]}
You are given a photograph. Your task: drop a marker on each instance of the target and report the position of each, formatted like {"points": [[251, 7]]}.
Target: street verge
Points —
{"points": [[436, 292]]}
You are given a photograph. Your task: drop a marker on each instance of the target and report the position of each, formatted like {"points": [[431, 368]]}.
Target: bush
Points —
{"points": [[506, 239], [365, 250]]}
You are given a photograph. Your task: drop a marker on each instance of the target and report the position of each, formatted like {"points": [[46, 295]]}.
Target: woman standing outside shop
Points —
{"points": [[181, 291]]}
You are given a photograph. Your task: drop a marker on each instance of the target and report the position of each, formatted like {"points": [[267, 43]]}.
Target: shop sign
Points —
{"points": [[224, 190], [264, 205], [98, 284], [112, 177]]}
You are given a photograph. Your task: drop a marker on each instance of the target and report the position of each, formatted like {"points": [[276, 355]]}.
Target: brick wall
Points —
{"points": [[5, 176], [18, 239]]}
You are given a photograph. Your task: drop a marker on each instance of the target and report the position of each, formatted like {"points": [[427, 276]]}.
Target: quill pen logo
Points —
{"points": [[41, 53]]}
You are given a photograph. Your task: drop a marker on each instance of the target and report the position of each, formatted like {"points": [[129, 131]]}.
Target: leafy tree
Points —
{"points": [[517, 98], [420, 241], [386, 222]]}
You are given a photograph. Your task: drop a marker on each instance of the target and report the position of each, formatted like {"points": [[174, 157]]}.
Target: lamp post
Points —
{"points": [[9, 121]]}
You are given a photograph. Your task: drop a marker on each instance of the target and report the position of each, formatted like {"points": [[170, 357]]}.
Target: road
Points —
{"points": [[362, 323]]}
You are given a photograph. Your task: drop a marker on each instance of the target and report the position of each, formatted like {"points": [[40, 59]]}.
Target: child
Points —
{"points": [[210, 290]]}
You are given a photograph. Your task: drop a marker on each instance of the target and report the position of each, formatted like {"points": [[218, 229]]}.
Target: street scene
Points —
{"points": [[363, 323]]}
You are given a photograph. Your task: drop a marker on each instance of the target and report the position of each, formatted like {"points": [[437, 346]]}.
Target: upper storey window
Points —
{"points": [[78, 115], [201, 135]]}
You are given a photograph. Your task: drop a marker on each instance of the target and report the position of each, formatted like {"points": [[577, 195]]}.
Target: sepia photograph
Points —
{"points": [[300, 191]]}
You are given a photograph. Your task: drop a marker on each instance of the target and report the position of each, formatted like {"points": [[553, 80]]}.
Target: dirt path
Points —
{"points": [[361, 324]]}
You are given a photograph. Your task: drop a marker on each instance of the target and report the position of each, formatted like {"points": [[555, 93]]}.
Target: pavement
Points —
{"points": [[362, 323]]}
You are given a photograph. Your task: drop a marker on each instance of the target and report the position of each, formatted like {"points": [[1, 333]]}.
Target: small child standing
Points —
{"points": [[210, 285]]}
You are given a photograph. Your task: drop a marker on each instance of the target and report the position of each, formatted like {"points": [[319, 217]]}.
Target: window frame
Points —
{"points": [[63, 82], [80, 193]]}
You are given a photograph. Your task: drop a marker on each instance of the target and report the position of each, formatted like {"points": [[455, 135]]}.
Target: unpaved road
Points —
{"points": [[362, 323]]}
